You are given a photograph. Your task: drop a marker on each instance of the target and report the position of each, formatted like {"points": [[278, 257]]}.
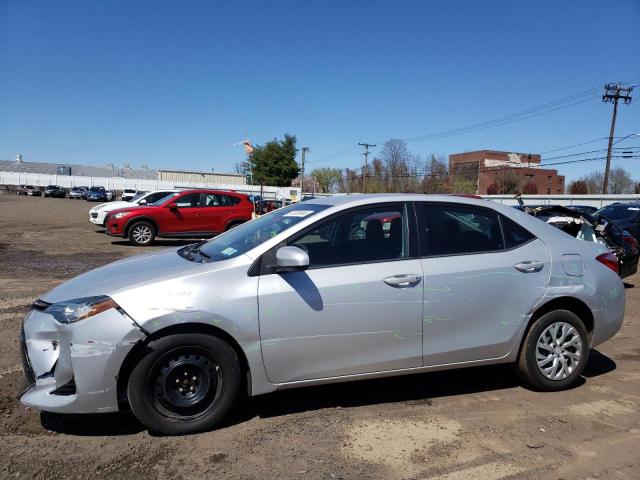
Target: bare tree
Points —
{"points": [[620, 181]]}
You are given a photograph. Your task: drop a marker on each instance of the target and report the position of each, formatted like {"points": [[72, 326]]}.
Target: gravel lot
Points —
{"points": [[474, 423]]}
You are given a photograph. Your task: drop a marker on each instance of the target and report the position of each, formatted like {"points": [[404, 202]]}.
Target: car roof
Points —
{"points": [[367, 198]]}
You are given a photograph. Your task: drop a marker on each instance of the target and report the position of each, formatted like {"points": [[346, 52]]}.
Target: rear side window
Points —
{"points": [[454, 229], [514, 235]]}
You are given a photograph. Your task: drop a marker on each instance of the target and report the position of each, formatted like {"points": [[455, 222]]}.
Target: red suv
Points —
{"points": [[189, 213]]}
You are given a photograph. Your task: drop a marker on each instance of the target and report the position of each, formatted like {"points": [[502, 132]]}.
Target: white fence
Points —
{"points": [[119, 183], [589, 200]]}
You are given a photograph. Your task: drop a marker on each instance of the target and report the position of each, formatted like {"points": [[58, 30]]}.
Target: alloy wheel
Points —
{"points": [[142, 233], [558, 350]]}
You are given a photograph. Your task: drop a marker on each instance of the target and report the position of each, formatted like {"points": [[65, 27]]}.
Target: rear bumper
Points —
{"points": [[73, 368]]}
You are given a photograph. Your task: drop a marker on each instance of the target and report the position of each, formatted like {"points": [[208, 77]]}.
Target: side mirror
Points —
{"points": [[173, 206], [142, 202], [291, 259]]}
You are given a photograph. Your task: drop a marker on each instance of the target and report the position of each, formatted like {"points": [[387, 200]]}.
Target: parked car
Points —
{"points": [[128, 194], [76, 193], [97, 194], [98, 214], [111, 195], [625, 215], [29, 190], [290, 300], [588, 209], [54, 191], [189, 213], [584, 226]]}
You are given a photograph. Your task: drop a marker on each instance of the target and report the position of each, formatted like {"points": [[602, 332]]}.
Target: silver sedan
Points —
{"points": [[334, 289]]}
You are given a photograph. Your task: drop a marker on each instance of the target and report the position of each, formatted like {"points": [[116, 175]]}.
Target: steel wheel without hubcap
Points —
{"points": [[558, 351], [141, 234], [185, 383]]}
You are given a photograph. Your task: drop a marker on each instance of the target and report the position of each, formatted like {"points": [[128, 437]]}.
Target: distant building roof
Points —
{"points": [[81, 170]]}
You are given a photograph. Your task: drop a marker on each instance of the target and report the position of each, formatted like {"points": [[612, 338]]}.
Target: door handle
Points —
{"points": [[404, 280], [529, 266]]}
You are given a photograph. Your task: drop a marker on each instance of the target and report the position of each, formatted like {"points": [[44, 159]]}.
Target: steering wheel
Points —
{"points": [[358, 233]]}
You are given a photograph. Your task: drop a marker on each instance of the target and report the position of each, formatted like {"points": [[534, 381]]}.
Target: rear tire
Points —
{"points": [[554, 352], [186, 383], [142, 234]]}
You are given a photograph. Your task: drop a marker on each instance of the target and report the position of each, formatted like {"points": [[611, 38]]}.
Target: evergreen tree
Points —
{"points": [[274, 163]]}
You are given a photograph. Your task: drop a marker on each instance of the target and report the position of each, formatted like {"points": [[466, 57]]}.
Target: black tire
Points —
{"points": [[141, 234], [209, 365], [551, 354]]}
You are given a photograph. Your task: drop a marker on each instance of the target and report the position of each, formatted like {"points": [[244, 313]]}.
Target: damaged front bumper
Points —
{"points": [[73, 368]]}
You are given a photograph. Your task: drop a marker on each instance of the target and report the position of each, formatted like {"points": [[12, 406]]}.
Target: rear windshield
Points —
{"points": [[619, 212], [255, 232]]}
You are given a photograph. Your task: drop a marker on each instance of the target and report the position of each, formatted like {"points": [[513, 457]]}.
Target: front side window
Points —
{"points": [[190, 200], [361, 236], [453, 229]]}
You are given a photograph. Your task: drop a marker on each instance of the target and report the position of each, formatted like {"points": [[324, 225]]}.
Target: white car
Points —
{"points": [[98, 214], [128, 194]]}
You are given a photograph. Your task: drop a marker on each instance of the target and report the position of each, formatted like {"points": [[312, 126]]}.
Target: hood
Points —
{"points": [[124, 274], [111, 206], [130, 208]]}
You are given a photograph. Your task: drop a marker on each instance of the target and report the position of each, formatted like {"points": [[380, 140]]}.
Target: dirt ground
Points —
{"points": [[476, 423]]}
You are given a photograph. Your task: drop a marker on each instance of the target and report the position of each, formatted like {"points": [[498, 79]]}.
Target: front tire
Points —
{"points": [[187, 383], [141, 234], [554, 352]]}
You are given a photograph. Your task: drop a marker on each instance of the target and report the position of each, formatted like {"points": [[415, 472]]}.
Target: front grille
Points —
{"points": [[29, 376], [94, 215]]}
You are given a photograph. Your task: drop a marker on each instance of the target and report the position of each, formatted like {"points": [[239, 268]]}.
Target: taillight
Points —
{"points": [[610, 260]]}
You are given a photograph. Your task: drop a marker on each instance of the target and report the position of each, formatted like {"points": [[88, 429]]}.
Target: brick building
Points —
{"points": [[486, 167]]}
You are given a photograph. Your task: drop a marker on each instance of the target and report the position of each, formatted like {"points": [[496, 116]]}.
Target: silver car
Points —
{"points": [[333, 289]]}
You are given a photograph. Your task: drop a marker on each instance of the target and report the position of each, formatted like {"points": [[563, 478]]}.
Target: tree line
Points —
{"points": [[397, 169]]}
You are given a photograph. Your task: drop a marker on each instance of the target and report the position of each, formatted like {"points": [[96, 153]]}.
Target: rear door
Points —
{"points": [[482, 275], [214, 212]]}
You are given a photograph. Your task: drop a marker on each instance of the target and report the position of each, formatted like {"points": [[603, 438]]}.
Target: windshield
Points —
{"points": [[157, 203], [618, 212], [96, 189], [251, 234], [136, 197]]}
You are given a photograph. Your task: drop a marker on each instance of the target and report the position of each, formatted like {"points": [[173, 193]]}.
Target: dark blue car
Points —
{"points": [[97, 194], [625, 215]]}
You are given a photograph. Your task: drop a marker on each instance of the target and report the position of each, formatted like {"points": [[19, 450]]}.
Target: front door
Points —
{"points": [[483, 274], [358, 307], [187, 217]]}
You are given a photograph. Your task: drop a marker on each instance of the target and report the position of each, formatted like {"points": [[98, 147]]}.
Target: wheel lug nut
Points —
{"points": [[185, 374], [193, 378], [180, 389], [177, 381]]}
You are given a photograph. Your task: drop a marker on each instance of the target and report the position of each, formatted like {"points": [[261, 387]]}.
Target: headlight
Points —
{"points": [[77, 309], [121, 214]]}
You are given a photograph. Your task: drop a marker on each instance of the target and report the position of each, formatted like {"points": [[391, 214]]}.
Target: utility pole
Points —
{"points": [[366, 159], [613, 93], [304, 151]]}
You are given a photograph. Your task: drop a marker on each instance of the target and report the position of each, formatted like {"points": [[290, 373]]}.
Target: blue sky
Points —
{"points": [[173, 84]]}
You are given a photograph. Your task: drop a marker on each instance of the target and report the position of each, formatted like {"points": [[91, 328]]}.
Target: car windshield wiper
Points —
{"points": [[188, 251]]}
